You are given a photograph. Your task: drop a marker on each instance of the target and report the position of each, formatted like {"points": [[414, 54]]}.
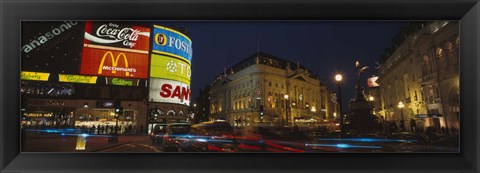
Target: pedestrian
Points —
{"points": [[130, 128]]}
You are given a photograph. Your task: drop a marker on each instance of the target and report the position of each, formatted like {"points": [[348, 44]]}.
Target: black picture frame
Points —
{"points": [[12, 12]]}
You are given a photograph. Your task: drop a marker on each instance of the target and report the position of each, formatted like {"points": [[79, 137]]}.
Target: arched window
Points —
{"points": [[442, 62], [171, 113], [457, 41], [426, 64], [439, 53], [449, 47], [180, 113]]}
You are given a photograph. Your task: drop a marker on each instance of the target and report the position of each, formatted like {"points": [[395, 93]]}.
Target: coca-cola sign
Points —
{"points": [[117, 35]]}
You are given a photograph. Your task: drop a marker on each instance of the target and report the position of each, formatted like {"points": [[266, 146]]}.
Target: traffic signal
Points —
{"points": [[23, 102], [119, 110], [261, 110]]}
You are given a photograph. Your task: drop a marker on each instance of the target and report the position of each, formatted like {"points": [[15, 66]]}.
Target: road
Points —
{"points": [[45, 142], [137, 144], [94, 143], [127, 143]]}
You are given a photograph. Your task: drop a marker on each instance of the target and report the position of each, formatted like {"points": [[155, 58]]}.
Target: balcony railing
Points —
{"points": [[428, 77]]}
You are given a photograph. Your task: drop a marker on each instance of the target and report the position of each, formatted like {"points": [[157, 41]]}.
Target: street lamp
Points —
{"points": [[194, 112], [286, 108], [400, 105], [371, 98], [338, 78]]}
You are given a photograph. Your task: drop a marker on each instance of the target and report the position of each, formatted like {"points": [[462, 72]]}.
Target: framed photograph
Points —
{"points": [[239, 86]]}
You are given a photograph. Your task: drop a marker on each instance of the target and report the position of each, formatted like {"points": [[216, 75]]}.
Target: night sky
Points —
{"points": [[326, 47]]}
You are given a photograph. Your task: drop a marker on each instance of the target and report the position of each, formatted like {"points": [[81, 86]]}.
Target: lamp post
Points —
{"points": [[286, 108], [116, 123], [338, 78], [402, 125]]}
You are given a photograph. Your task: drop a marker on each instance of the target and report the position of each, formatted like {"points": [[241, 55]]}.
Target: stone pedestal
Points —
{"points": [[361, 118]]}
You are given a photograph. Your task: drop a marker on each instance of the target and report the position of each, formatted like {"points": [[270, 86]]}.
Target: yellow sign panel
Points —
{"points": [[77, 78], [166, 67], [26, 75]]}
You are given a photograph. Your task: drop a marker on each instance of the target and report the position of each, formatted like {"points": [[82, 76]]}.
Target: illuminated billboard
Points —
{"points": [[117, 34], [38, 76], [60, 41], [77, 78], [372, 82], [170, 68], [172, 43], [100, 62], [169, 91], [115, 50], [121, 81]]}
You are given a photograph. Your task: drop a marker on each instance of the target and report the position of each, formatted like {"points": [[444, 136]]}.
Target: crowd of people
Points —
{"points": [[99, 129], [108, 129]]}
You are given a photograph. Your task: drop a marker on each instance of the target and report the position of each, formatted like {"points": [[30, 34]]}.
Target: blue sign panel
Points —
{"points": [[173, 43]]}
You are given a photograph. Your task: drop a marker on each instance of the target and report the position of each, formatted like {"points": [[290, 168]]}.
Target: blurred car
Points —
{"points": [[157, 133], [211, 136], [174, 135], [354, 143]]}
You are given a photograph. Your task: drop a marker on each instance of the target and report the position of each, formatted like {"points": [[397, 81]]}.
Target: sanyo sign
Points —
{"points": [[173, 43]]}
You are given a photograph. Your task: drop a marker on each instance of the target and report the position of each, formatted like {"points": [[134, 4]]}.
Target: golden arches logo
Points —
{"points": [[114, 62]]}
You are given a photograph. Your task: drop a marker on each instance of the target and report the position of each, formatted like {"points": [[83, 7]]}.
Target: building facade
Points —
{"points": [[422, 72], [268, 91]]}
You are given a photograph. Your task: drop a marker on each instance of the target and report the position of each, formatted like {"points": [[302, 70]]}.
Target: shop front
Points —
{"points": [[106, 118], [423, 121], [162, 114], [47, 113]]}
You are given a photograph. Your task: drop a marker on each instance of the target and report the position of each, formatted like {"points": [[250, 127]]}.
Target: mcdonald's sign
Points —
{"points": [[114, 63]]}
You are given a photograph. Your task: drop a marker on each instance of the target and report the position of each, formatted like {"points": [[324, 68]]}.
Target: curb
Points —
{"points": [[107, 147]]}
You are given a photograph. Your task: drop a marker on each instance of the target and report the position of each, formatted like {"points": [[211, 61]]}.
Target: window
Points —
{"points": [[427, 65], [449, 47], [457, 41], [423, 96], [269, 83], [415, 97], [439, 53]]}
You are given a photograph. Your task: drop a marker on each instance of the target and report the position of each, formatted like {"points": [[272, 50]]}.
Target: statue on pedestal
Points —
{"points": [[361, 118]]}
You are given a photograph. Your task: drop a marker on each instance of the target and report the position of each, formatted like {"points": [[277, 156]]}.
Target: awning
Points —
{"points": [[428, 115]]}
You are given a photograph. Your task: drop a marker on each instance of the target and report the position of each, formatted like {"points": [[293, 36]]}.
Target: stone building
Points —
{"points": [[253, 92], [422, 71]]}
